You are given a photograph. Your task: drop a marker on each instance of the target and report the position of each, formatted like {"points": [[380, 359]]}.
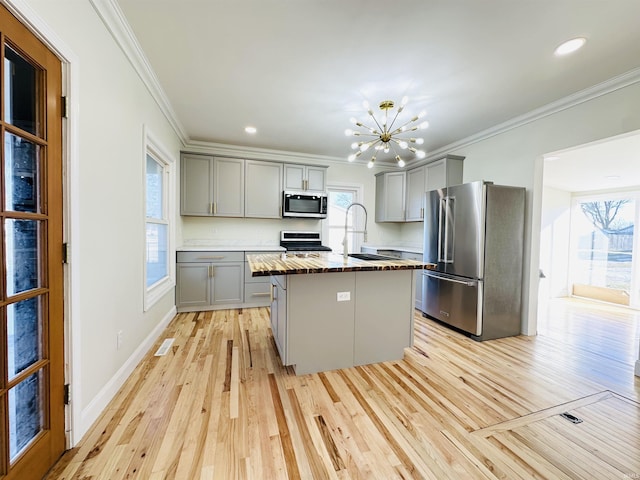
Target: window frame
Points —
{"points": [[154, 149], [355, 240]]}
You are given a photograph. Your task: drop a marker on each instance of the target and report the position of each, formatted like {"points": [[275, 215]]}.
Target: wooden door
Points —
{"points": [[31, 280]]}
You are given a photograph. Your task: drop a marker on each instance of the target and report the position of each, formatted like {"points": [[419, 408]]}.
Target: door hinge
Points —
{"points": [[67, 394], [65, 107], [65, 253]]}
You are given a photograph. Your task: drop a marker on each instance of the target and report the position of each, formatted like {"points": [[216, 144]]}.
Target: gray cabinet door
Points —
{"points": [[193, 288], [390, 196], [305, 177], [282, 324], [263, 189], [196, 185], [416, 186], [444, 173], [228, 282], [228, 189], [316, 178], [294, 176]]}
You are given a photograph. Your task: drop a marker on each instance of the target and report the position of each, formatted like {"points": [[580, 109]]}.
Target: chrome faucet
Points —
{"points": [[345, 242]]}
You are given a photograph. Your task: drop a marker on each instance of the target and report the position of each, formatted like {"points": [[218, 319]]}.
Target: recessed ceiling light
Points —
{"points": [[612, 177], [570, 46], [551, 158], [250, 130]]}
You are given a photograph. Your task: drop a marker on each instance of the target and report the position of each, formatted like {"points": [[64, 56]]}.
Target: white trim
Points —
{"points": [[159, 153], [113, 18], [71, 208], [99, 403]]}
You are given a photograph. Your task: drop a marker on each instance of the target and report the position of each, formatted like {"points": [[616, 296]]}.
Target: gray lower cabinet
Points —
{"points": [[209, 280], [257, 290], [278, 285], [418, 277]]}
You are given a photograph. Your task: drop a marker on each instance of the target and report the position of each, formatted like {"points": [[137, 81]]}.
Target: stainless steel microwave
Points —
{"points": [[304, 204]]}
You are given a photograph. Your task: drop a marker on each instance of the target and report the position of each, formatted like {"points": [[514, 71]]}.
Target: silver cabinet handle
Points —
{"points": [[214, 257], [263, 294]]}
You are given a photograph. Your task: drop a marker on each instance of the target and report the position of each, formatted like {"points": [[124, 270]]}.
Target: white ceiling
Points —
{"points": [[298, 70]]}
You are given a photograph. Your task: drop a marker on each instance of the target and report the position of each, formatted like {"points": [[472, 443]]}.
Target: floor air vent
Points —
{"points": [[164, 348], [571, 418]]}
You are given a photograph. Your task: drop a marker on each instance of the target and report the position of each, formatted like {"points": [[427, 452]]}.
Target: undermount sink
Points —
{"points": [[370, 256]]}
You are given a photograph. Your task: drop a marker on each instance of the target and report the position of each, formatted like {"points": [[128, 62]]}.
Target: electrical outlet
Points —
{"points": [[344, 296], [119, 340]]}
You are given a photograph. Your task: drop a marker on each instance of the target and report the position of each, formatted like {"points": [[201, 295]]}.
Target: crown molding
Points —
{"points": [[611, 85], [111, 15], [114, 19]]}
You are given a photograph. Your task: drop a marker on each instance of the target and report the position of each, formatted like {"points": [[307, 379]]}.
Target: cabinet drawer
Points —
{"points": [[258, 293], [210, 257]]}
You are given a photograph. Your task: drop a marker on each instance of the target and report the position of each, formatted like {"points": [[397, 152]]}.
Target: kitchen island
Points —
{"points": [[328, 312]]}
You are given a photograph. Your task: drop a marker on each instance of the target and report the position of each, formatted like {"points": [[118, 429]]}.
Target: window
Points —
{"points": [[604, 242], [340, 197], [159, 275]]}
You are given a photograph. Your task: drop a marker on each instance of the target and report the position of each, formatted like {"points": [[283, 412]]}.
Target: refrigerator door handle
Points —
{"points": [[468, 283], [441, 219]]}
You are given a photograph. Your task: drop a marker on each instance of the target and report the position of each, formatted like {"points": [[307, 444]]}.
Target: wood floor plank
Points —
{"points": [[220, 405]]}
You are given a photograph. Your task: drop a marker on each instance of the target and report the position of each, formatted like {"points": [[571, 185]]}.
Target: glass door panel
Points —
{"points": [[23, 255], [24, 335], [21, 91], [21, 174]]}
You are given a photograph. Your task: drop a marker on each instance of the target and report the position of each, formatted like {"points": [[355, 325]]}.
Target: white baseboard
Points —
{"points": [[91, 413]]}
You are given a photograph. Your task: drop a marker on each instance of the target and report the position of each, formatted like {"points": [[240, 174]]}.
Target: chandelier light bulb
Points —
{"points": [[422, 114], [351, 157], [385, 135], [348, 132]]}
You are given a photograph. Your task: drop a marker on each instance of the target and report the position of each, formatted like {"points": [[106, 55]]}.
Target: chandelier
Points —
{"points": [[384, 135]]}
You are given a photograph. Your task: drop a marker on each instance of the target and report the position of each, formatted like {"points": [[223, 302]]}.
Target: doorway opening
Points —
{"points": [[589, 243]]}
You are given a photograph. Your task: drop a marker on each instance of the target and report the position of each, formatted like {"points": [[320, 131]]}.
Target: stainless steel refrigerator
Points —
{"points": [[474, 233]]}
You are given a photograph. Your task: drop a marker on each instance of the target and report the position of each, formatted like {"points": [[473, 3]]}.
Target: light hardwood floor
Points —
{"points": [[219, 405]]}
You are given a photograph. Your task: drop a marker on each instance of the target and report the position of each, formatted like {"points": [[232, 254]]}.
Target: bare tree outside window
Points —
{"points": [[603, 214]]}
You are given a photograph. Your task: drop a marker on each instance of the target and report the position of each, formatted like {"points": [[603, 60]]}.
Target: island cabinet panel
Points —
{"points": [[320, 328], [383, 316]]}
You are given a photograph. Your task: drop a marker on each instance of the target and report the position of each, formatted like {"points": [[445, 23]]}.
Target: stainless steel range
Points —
{"points": [[296, 241]]}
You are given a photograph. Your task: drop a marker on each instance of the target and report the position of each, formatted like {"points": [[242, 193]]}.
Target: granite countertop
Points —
{"points": [[297, 263]]}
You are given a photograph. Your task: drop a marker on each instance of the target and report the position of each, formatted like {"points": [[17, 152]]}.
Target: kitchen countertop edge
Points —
{"points": [[263, 265]]}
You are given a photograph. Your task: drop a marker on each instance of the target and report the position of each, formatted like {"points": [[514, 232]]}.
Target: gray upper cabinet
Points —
{"points": [[305, 177], [263, 189], [416, 186], [196, 185], [233, 187], [444, 172], [390, 196], [228, 187], [438, 174]]}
